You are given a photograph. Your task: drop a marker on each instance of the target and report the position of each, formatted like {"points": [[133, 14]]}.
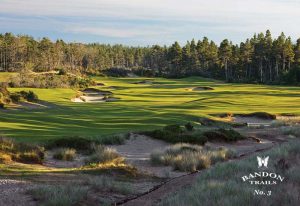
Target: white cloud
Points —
{"points": [[160, 19]]}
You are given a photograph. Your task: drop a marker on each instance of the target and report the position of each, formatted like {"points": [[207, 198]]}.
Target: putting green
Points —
{"points": [[142, 106]]}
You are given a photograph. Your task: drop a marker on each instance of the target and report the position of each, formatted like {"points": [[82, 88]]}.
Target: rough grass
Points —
{"points": [[222, 185], [102, 155], [59, 195], [142, 107], [292, 130], [108, 184], [65, 154], [20, 152], [189, 158]]}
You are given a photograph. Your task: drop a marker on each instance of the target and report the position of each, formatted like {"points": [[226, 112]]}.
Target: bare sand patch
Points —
{"points": [[137, 151]]}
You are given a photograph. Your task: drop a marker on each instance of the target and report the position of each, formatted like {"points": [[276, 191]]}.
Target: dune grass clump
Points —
{"points": [[295, 131], [102, 155], [65, 154], [20, 152], [189, 158], [53, 195], [223, 184]]}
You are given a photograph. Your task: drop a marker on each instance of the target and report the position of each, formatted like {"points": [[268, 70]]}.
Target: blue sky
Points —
{"points": [[147, 22]]}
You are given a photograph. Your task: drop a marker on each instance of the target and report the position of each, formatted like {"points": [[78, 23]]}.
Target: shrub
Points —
{"points": [[189, 126], [15, 97], [63, 195], [223, 134], [261, 115], [78, 143], [62, 72], [2, 106], [173, 128], [65, 154]]}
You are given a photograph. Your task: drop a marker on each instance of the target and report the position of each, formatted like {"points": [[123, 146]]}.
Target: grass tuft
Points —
{"points": [[189, 158], [63, 195], [102, 155], [65, 154]]}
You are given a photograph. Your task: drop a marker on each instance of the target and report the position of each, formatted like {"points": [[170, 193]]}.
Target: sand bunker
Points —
{"points": [[93, 95], [202, 88]]}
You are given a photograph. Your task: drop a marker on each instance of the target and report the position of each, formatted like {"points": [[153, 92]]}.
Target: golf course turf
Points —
{"points": [[141, 107]]}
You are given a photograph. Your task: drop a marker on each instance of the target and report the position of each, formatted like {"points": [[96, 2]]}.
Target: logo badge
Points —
{"points": [[262, 161]]}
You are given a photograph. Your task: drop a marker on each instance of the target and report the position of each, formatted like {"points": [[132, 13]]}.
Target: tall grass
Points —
{"points": [[222, 185], [187, 157], [65, 154], [59, 195], [109, 184], [102, 155], [20, 152]]}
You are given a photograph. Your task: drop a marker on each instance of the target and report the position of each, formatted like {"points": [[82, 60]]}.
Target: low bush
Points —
{"points": [[261, 115], [49, 80], [54, 195], [173, 137], [223, 134], [84, 144], [189, 158], [78, 143], [65, 154], [189, 127], [29, 96]]}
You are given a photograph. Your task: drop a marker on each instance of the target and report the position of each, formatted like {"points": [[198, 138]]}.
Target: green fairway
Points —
{"points": [[142, 107]]}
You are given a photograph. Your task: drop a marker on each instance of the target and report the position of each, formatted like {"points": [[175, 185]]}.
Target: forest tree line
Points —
{"points": [[260, 59]]}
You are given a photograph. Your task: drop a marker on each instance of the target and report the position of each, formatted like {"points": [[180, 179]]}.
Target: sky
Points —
{"points": [[148, 22]]}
